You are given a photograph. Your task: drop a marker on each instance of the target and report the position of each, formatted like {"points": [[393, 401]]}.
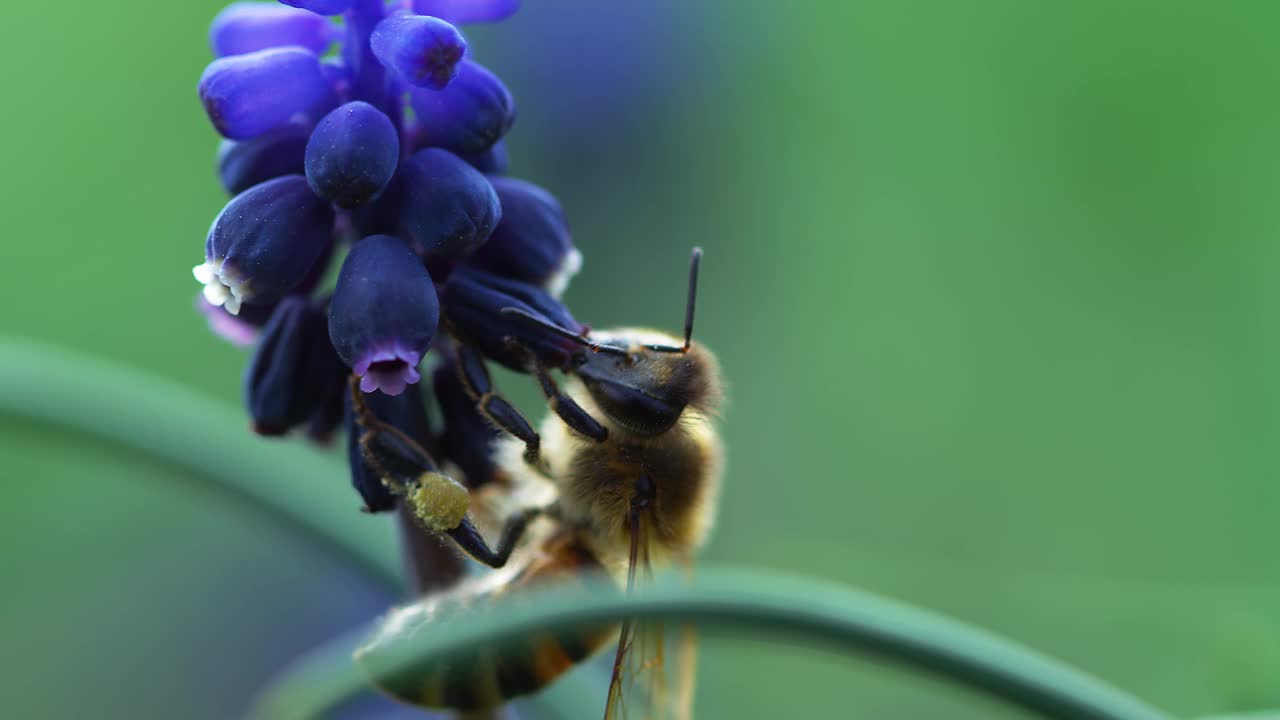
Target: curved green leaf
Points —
{"points": [[168, 421], [801, 610]]}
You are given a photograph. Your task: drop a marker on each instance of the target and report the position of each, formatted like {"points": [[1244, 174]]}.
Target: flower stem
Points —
{"points": [[369, 81], [797, 609], [430, 564]]}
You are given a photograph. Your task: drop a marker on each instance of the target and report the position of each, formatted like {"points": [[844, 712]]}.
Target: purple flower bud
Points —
{"points": [[246, 95], [460, 12], [320, 7], [246, 27], [264, 243], [449, 208], [275, 153], [493, 161], [352, 154], [472, 303], [384, 313], [424, 50], [532, 242], [468, 439], [294, 371], [469, 115], [325, 420], [406, 412]]}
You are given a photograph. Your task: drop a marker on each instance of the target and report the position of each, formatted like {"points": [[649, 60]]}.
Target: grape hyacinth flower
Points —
{"points": [[362, 140], [293, 369], [384, 313], [264, 243], [532, 243]]}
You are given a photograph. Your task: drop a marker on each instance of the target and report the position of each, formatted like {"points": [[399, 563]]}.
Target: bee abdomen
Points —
{"points": [[488, 677], [478, 681]]}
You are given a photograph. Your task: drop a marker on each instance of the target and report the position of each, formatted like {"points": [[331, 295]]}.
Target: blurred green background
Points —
{"points": [[993, 284]]}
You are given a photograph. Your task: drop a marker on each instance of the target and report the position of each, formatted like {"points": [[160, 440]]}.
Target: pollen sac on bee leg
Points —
{"points": [[469, 115], [244, 27], [473, 302], [264, 243], [294, 372], [440, 203], [406, 412], [352, 154], [247, 95], [438, 502], [424, 50], [273, 154], [532, 243], [383, 314]]}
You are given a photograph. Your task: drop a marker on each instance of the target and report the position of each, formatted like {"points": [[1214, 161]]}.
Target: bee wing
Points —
{"points": [[640, 643], [686, 671]]}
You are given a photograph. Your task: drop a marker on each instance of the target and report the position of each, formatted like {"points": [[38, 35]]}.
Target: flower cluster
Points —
{"points": [[374, 144]]}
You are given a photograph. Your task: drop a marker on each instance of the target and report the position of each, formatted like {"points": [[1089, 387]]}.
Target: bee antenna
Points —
{"points": [[692, 301], [543, 323], [689, 307]]}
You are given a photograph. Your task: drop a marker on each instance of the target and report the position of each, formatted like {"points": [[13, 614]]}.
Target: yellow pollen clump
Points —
{"points": [[439, 502]]}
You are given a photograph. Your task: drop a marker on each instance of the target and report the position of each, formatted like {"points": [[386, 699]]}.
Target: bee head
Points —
{"points": [[642, 379], [647, 388]]}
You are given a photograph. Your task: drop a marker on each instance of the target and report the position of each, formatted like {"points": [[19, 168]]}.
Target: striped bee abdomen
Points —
{"points": [[489, 676]]}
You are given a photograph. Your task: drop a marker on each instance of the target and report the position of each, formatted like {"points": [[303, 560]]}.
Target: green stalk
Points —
{"points": [[164, 420], [795, 609]]}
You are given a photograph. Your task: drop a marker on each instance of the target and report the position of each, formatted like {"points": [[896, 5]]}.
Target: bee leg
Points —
{"points": [[469, 539], [567, 408], [386, 449], [475, 378], [570, 411]]}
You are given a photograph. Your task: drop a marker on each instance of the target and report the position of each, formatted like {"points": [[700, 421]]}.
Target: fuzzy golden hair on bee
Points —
{"points": [[692, 375], [595, 481]]}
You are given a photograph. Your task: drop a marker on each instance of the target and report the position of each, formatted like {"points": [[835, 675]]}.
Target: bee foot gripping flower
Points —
{"points": [[407, 413], [373, 135], [477, 305]]}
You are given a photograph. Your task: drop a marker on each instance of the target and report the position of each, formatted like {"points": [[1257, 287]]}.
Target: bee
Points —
{"points": [[640, 494]]}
